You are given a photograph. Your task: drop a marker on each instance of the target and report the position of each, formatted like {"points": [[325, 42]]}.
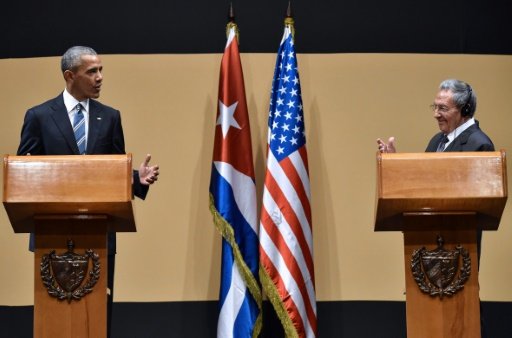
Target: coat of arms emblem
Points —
{"points": [[437, 272], [64, 275]]}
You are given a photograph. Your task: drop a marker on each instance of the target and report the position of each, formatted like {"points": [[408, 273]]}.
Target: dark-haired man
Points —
{"points": [[74, 123]]}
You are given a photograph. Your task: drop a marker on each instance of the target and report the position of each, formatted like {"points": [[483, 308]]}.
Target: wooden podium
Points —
{"points": [[454, 195], [61, 198]]}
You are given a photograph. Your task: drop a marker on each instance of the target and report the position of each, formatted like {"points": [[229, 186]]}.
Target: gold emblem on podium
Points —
{"points": [[64, 275], [437, 272]]}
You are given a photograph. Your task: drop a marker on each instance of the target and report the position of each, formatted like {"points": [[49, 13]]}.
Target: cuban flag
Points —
{"points": [[286, 237], [233, 202]]}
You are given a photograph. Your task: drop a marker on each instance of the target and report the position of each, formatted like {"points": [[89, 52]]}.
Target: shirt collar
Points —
{"points": [[451, 136], [70, 102]]}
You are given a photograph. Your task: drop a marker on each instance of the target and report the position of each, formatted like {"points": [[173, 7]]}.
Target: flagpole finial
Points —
{"points": [[288, 19], [231, 22], [231, 13], [289, 9]]}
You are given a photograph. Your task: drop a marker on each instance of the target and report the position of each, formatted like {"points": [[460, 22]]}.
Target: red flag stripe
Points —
{"points": [[283, 239], [288, 302], [294, 262], [289, 289], [301, 276], [290, 197], [304, 156], [289, 166], [278, 207]]}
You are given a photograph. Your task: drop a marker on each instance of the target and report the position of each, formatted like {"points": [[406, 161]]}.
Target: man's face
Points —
{"points": [[87, 78], [446, 113]]}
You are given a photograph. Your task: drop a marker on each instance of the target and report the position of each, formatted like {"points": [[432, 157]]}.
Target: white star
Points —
{"points": [[275, 125], [286, 78], [298, 118], [282, 90], [280, 150], [226, 118], [296, 129], [279, 101], [300, 106], [295, 80], [277, 113], [293, 141], [288, 115], [290, 55], [290, 104], [288, 67], [282, 139], [293, 92], [286, 127]]}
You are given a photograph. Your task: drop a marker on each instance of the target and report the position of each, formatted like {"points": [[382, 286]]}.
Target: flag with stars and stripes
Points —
{"points": [[286, 242], [233, 202]]}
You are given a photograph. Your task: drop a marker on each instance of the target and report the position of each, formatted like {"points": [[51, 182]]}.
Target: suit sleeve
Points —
{"points": [[31, 139], [139, 190]]}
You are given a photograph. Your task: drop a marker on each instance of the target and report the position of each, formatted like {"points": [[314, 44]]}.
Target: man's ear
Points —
{"points": [[68, 75]]}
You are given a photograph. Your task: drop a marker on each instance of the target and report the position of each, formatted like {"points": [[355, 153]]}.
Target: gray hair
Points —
{"points": [[463, 95], [72, 57]]}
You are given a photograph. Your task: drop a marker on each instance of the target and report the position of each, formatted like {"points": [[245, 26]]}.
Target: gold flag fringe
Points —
{"points": [[273, 295], [227, 232]]}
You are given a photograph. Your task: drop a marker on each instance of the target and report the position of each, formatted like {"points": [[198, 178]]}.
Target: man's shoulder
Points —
{"points": [[476, 140], [474, 131], [97, 105], [55, 102]]}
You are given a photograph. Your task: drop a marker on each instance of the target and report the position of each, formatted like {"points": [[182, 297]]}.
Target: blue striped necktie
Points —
{"points": [[79, 129]]}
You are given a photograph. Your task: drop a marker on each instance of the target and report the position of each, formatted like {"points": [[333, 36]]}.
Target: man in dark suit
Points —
{"points": [[51, 129], [454, 109]]}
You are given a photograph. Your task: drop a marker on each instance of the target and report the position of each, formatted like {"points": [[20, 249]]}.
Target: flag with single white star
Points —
{"points": [[233, 203], [286, 241]]}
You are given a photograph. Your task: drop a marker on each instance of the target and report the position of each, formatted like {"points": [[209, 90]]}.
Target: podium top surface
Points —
{"points": [[442, 183], [68, 178], [68, 186]]}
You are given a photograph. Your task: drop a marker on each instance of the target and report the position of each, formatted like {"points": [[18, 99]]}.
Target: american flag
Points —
{"points": [[286, 242], [233, 203]]}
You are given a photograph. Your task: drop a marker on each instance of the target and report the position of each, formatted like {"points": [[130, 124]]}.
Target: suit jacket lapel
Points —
{"points": [[462, 139], [60, 116], [95, 120], [434, 143]]}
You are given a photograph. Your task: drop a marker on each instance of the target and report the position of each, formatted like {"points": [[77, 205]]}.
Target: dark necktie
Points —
{"points": [[79, 129], [442, 144]]}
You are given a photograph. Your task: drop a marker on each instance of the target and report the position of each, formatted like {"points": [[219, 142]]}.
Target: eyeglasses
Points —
{"points": [[439, 107]]}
